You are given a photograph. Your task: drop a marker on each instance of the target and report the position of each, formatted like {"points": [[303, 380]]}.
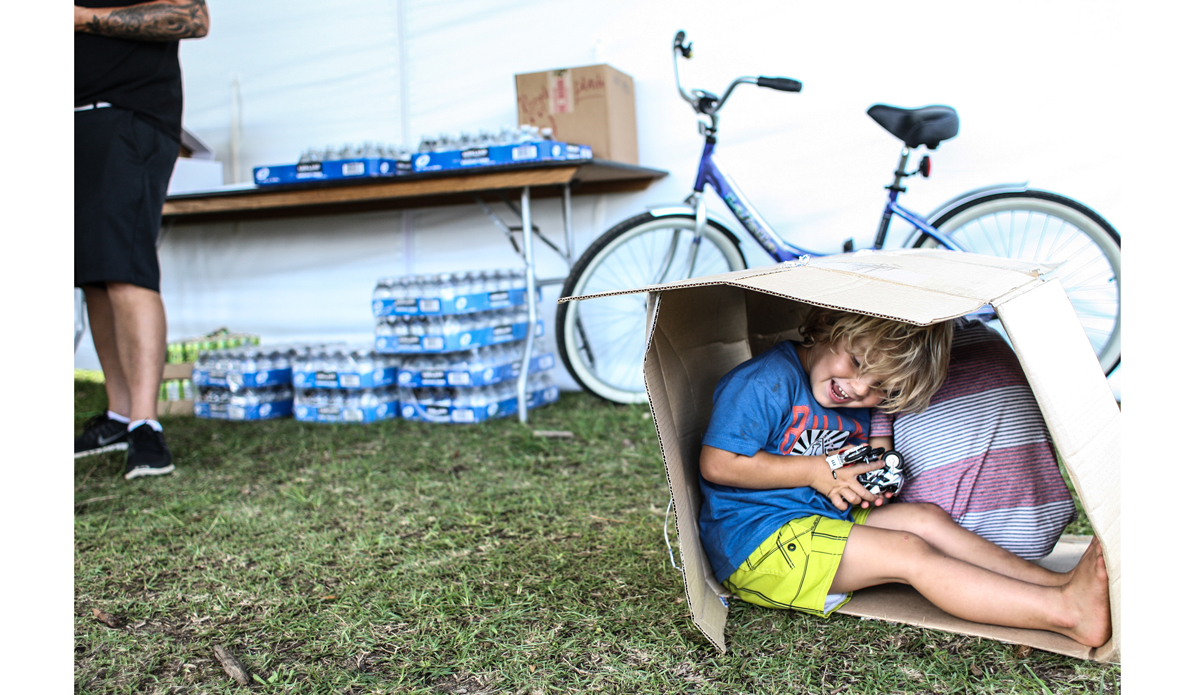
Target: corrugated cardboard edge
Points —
{"points": [[722, 279], [828, 264], [707, 610]]}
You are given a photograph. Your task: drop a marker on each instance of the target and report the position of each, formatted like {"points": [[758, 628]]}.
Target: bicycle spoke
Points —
{"points": [[1044, 228], [641, 254]]}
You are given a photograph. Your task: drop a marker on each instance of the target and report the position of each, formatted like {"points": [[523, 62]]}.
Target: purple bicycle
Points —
{"points": [[602, 340]]}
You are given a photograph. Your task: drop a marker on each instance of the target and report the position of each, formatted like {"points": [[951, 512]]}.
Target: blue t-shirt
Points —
{"points": [[766, 404]]}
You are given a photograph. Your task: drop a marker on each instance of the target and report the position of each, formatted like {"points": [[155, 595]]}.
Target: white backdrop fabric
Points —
{"points": [[1037, 87]]}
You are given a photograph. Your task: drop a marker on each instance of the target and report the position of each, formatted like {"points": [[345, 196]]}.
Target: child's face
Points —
{"points": [[836, 383]]}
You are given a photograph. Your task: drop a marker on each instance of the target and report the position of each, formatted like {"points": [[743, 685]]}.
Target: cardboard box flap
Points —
{"points": [[922, 285], [1080, 413], [700, 329]]}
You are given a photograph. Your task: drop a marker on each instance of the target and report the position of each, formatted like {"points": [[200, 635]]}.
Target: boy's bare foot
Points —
{"points": [[1087, 598], [1064, 578]]}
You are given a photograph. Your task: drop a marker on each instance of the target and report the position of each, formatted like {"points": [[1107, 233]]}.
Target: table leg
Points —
{"points": [[568, 232], [531, 304]]}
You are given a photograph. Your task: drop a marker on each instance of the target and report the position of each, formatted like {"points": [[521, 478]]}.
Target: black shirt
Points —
{"points": [[142, 76]]}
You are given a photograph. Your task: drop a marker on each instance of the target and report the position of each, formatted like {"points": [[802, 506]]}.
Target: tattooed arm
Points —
{"points": [[161, 20]]}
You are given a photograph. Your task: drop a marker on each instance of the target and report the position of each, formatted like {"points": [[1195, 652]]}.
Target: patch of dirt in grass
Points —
{"points": [[463, 685]]}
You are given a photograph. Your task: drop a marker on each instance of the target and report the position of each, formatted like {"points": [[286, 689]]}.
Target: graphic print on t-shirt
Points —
{"points": [[800, 440], [819, 442]]}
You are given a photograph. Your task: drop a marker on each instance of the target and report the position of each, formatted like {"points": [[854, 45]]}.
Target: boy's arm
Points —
{"points": [[765, 471], [884, 442]]}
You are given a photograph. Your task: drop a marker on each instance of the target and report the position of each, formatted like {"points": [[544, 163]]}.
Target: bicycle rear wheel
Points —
{"points": [[1045, 227], [603, 341]]}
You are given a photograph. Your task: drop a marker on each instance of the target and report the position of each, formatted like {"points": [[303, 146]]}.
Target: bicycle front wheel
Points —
{"points": [[1045, 227], [603, 341]]}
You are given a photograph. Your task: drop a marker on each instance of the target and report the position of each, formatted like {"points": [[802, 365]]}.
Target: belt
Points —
{"points": [[94, 105]]}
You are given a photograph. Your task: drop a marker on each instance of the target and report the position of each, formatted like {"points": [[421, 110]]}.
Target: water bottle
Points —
{"points": [[445, 288], [343, 363], [382, 290]]}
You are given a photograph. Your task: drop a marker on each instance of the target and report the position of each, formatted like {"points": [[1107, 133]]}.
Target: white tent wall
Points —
{"points": [[1036, 86]]}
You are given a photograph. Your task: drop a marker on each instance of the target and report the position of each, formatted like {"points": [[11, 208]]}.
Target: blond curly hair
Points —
{"points": [[909, 360]]}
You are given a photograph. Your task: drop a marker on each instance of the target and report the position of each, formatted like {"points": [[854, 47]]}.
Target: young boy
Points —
{"points": [[782, 529]]}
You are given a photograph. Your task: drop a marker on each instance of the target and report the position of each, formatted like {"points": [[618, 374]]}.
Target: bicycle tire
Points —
{"points": [[1052, 228], [602, 341]]}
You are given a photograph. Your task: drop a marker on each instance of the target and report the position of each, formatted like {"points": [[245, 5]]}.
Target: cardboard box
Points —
{"points": [[591, 105], [700, 329]]}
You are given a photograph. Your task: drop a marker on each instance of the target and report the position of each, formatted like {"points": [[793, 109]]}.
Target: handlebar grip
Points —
{"points": [[783, 84]]}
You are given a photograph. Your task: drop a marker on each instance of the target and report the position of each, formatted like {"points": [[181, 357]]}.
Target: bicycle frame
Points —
{"points": [[710, 173]]}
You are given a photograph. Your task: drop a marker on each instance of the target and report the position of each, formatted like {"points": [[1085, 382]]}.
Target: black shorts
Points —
{"points": [[122, 167]]}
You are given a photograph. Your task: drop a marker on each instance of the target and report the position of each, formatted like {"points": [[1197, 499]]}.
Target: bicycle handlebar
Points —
{"points": [[783, 84], [706, 102]]}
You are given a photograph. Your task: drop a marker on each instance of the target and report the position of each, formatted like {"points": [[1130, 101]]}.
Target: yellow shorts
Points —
{"points": [[795, 566]]}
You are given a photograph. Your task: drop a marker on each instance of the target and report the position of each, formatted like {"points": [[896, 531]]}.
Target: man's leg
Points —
{"points": [[140, 331], [1079, 609], [936, 527], [104, 337]]}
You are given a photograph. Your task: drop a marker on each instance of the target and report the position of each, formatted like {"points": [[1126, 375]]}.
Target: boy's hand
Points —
{"points": [[845, 490]]}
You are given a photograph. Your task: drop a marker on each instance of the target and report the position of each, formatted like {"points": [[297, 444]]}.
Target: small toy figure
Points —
{"points": [[890, 478]]}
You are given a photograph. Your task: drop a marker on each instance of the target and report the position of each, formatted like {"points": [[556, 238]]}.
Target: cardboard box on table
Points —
{"points": [[699, 329], [590, 105]]}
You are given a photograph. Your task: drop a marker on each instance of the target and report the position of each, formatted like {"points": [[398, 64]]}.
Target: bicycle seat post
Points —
{"points": [[900, 174], [894, 190]]}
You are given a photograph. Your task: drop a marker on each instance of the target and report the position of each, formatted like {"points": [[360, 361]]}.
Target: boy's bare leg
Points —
{"points": [[934, 525], [1078, 609]]}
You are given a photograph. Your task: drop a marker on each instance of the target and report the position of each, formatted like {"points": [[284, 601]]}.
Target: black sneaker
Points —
{"points": [[101, 434], [148, 453]]}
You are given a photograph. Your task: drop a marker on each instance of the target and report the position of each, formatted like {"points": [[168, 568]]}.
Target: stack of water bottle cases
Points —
{"points": [[248, 382], [447, 348], [461, 337]]}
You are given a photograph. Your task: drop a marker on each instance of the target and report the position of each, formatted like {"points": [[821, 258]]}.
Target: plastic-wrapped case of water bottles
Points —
{"points": [[367, 160], [448, 293], [346, 405], [486, 148], [248, 403], [342, 366], [471, 405], [479, 367], [450, 312], [257, 365], [251, 382]]}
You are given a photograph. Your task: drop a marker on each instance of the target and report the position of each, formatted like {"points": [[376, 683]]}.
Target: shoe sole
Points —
{"points": [[139, 472], [119, 446]]}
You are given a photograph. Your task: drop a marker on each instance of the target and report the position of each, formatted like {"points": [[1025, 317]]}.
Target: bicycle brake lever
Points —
{"points": [[685, 50]]}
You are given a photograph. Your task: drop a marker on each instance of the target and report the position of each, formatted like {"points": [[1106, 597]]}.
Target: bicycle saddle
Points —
{"points": [[926, 126]]}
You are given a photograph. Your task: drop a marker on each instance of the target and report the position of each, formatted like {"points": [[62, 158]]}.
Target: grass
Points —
{"points": [[401, 557]]}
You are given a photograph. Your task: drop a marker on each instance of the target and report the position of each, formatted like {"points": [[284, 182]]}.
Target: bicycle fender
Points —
{"points": [[668, 210], [973, 194]]}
